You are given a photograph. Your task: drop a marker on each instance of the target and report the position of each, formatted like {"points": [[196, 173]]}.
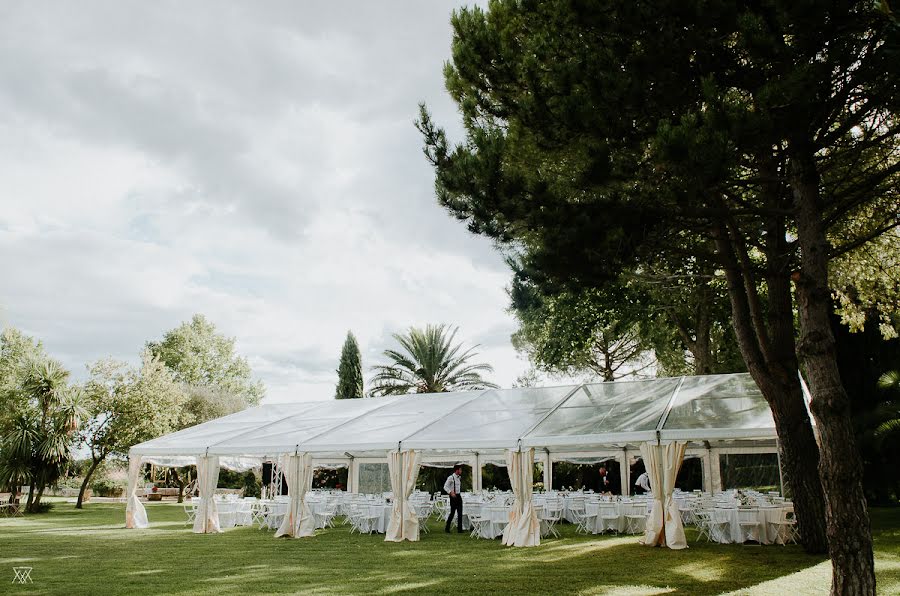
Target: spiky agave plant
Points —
{"points": [[890, 382], [429, 362]]}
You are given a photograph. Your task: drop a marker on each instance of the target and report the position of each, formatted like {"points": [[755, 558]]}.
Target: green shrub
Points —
{"points": [[252, 486], [106, 487]]}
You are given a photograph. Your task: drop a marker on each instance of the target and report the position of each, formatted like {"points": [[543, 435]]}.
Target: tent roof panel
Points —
{"points": [[715, 407], [716, 403], [497, 418], [288, 433], [600, 410], [384, 427], [196, 439]]}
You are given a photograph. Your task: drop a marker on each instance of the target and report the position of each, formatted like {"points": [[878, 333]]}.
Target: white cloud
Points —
{"points": [[256, 163]]}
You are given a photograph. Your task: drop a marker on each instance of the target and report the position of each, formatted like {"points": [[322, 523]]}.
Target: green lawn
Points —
{"points": [[89, 552]]}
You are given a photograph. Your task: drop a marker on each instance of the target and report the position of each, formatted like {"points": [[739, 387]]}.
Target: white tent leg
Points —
{"points": [[716, 471], [624, 473], [477, 474], [548, 471], [707, 471], [353, 476]]}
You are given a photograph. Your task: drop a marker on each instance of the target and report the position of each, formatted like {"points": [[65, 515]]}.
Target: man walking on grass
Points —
{"points": [[453, 487]]}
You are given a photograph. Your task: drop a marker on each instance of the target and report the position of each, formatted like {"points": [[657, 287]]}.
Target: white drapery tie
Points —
{"points": [[403, 467], [523, 528], [207, 520], [135, 514], [298, 522], [664, 527]]}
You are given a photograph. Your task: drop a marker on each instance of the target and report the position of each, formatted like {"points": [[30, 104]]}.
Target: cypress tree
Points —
{"points": [[350, 376]]}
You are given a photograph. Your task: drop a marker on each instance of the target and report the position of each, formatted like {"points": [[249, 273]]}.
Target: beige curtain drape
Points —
{"points": [[664, 527], [298, 522], [135, 514], [207, 520], [523, 528], [403, 467]]}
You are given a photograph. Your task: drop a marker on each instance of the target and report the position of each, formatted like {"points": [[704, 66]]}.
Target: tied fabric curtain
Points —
{"points": [[523, 528], [403, 468], [299, 521], [135, 514], [664, 527], [207, 520]]}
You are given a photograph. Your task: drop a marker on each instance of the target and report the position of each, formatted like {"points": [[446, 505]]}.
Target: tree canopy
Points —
{"points": [[200, 356], [126, 406]]}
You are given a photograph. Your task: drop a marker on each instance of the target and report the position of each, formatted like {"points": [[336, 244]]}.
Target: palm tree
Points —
{"points": [[38, 443], [890, 411], [429, 362]]}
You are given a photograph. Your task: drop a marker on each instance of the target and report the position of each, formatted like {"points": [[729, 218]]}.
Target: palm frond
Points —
{"points": [[889, 380], [429, 361]]}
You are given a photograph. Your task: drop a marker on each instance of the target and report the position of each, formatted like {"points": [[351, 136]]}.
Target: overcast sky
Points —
{"points": [[254, 162]]}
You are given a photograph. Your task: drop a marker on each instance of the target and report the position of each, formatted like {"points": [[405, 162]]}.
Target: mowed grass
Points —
{"points": [[89, 552]]}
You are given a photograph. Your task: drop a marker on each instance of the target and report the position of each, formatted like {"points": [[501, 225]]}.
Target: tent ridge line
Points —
{"points": [[262, 426], [552, 410], [436, 420], [665, 415], [344, 423]]}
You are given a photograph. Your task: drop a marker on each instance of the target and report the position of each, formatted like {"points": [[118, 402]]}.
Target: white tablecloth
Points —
{"points": [[726, 527], [383, 513], [612, 515], [234, 513]]}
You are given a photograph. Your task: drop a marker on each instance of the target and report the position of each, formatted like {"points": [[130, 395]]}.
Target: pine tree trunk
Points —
{"points": [[87, 479], [840, 467], [780, 386]]}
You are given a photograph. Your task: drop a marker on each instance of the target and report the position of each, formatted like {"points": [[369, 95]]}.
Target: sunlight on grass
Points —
{"points": [[706, 571], [809, 582], [553, 553], [89, 552], [625, 591], [409, 586]]}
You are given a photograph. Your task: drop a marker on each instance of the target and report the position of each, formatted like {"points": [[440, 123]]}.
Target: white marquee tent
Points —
{"points": [[712, 414]]}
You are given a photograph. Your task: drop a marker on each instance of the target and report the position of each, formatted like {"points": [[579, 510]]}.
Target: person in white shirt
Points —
{"points": [[642, 483], [453, 487]]}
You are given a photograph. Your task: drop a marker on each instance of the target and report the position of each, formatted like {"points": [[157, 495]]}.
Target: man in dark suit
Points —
{"points": [[453, 487]]}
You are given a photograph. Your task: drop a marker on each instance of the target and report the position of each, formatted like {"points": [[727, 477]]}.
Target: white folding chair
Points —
{"points": [[586, 520], [190, 510], [325, 516], [786, 527], [608, 514], [477, 523], [751, 528], [635, 517], [702, 521], [549, 518], [423, 513]]}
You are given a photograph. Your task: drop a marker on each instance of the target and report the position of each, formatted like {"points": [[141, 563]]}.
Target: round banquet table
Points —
{"points": [[383, 517], [727, 528]]}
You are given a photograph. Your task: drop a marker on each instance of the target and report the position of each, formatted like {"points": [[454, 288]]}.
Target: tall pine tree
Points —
{"points": [[350, 376]]}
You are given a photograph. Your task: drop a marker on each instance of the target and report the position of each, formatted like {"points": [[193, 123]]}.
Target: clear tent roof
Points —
{"points": [[568, 418]]}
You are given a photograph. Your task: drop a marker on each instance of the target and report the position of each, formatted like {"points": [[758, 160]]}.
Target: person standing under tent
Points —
{"points": [[453, 487], [606, 483], [642, 484]]}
